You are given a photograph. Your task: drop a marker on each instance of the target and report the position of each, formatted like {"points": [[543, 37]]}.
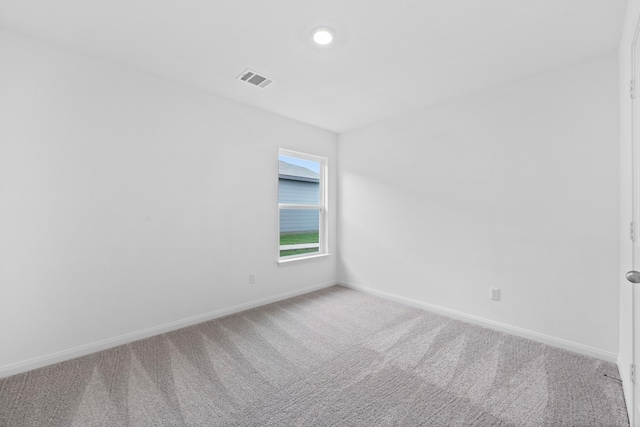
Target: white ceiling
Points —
{"points": [[389, 57]]}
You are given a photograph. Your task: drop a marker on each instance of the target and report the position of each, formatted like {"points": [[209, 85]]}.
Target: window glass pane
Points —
{"points": [[298, 181], [299, 231]]}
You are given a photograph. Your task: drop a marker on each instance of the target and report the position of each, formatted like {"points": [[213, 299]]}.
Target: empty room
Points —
{"points": [[336, 213]]}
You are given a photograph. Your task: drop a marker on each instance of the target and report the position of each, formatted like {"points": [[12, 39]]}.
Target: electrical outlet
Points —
{"points": [[252, 279], [494, 294]]}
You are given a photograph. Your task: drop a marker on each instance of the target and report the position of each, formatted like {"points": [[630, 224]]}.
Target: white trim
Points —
{"points": [[300, 154], [498, 326], [631, 389], [72, 353], [299, 246], [627, 387], [298, 258], [303, 207]]}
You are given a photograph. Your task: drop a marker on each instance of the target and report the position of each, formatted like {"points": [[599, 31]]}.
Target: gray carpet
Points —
{"points": [[336, 357]]}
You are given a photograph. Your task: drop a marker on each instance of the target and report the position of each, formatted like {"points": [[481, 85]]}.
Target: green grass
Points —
{"points": [[298, 251], [297, 239]]}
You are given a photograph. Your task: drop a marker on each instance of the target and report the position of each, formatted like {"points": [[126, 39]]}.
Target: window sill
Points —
{"points": [[289, 261]]}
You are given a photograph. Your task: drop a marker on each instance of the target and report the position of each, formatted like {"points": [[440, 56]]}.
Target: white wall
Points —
{"points": [[515, 187], [128, 202]]}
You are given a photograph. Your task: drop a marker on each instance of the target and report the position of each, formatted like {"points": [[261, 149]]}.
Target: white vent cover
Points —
{"points": [[255, 78]]}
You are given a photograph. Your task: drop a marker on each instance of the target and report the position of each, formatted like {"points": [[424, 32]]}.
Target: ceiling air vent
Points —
{"points": [[255, 78]]}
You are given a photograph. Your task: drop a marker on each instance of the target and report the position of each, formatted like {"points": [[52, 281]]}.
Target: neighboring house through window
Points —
{"points": [[301, 205]]}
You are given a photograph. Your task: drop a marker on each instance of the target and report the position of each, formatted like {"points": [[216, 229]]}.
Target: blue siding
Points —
{"points": [[298, 192], [296, 220], [304, 192]]}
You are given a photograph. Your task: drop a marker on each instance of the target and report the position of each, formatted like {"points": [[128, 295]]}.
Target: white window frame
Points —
{"points": [[322, 208]]}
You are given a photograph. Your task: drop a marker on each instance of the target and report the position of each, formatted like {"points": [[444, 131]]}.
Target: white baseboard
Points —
{"points": [[72, 353], [498, 326]]}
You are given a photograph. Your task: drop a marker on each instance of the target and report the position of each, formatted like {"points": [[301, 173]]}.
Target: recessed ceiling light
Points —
{"points": [[322, 35]]}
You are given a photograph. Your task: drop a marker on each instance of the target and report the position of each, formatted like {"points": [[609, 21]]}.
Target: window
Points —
{"points": [[301, 205]]}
